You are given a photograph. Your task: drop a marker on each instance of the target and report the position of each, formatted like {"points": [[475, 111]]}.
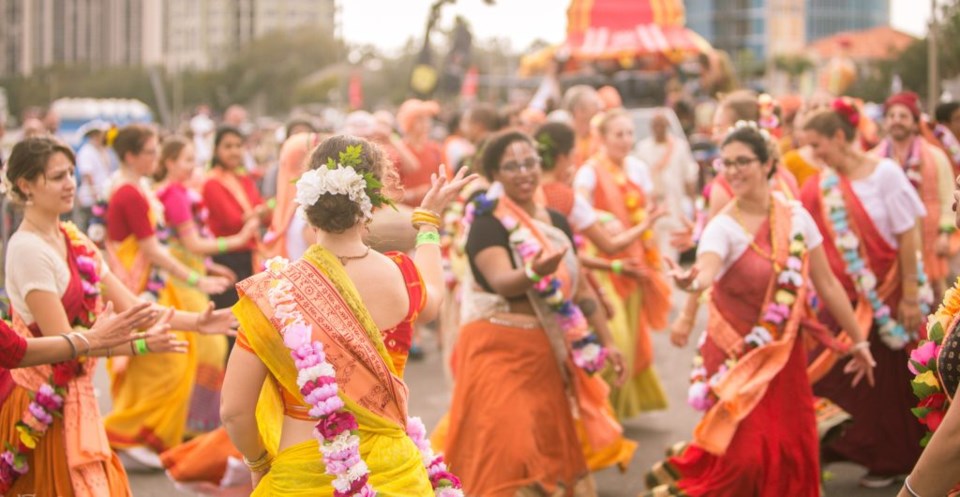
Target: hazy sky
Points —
{"points": [[522, 21]]}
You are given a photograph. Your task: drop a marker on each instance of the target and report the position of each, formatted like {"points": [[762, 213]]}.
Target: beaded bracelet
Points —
{"points": [[428, 238], [531, 274]]}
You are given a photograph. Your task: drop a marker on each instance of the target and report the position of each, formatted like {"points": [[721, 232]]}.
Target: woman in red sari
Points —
{"points": [[867, 210], [232, 199], [64, 287], [758, 435]]}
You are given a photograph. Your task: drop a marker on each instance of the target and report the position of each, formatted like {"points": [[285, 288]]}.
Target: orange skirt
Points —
{"points": [[510, 423], [202, 459], [49, 474]]}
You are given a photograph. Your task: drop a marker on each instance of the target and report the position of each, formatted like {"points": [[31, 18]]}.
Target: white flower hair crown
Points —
{"points": [[754, 126], [340, 178]]}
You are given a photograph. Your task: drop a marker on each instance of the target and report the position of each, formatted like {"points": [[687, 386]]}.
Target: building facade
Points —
{"points": [[177, 34], [761, 29]]}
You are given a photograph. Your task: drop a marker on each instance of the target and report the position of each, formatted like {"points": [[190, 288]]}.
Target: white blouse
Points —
{"points": [[890, 200], [725, 237], [31, 265]]}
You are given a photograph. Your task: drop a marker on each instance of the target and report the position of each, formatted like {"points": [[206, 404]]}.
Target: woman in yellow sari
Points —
{"points": [[325, 300], [182, 212], [151, 394], [65, 285]]}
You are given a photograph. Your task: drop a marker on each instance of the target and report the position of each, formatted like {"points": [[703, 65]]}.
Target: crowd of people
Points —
{"points": [[258, 309]]}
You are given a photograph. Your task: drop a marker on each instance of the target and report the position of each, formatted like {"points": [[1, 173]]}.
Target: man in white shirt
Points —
{"points": [[674, 173], [93, 170]]}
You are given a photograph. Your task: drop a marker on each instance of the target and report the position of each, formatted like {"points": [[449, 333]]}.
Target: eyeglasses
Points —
{"points": [[738, 163], [529, 164]]}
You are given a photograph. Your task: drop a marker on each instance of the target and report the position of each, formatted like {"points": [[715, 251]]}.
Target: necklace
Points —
{"points": [[344, 259], [771, 255]]}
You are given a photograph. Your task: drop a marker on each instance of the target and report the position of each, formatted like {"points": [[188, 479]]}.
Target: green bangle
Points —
{"points": [[272, 203], [947, 228], [221, 244], [531, 274], [140, 346], [616, 266], [428, 238], [193, 279]]}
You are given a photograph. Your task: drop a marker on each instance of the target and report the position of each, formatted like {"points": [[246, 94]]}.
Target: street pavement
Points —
{"points": [[429, 398]]}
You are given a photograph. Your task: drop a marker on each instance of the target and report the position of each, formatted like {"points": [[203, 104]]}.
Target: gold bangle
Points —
{"points": [[260, 463]]}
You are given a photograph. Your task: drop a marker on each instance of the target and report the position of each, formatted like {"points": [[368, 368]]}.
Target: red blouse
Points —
{"points": [[128, 213], [224, 211]]}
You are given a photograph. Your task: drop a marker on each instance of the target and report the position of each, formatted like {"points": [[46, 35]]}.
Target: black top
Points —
{"points": [[487, 231], [949, 362]]}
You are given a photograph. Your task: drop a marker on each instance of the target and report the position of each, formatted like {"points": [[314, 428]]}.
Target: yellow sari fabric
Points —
{"points": [[394, 461], [210, 350], [151, 392]]}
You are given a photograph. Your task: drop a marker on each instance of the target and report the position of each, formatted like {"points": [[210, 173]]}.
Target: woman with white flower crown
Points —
{"points": [[868, 211], [314, 357], [758, 435]]}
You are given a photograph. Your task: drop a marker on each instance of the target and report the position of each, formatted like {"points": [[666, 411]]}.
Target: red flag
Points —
{"points": [[355, 91]]}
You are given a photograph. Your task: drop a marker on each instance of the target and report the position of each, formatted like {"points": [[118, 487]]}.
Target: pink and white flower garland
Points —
{"points": [[337, 430], [586, 351], [770, 326], [847, 242]]}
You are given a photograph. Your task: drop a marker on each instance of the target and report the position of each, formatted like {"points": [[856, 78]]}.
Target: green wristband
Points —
{"points": [[428, 238], [272, 203], [616, 266], [140, 346], [193, 279], [221, 244]]}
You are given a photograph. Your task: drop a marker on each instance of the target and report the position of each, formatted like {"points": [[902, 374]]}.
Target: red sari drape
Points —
{"points": [[884, 437]]}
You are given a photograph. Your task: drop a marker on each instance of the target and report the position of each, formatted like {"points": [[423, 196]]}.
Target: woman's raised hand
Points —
{"points": [[112, 329], [160, 340], [547, 261], [220, 322], [684, 278], [442, 190], [213, 285], [861, 365]]}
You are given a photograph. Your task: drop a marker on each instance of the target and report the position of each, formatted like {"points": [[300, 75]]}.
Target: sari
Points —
{"points": [[883, 436], [211, 350], [800, 165], [639, 307], [760, 437], [204, 461], [518, 367], [73, 458], [367, 380], [151, 392]]}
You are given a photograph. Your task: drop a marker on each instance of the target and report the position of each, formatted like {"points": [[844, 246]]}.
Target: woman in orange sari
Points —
{"points": [[868, 210], [64, 287], [287, 234], [519, 354], [758, 433], [618, 184], [343, 378], [151, 394]]}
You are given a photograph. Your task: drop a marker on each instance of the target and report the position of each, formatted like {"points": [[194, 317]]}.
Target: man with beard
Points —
{"points": [[929, 171]]}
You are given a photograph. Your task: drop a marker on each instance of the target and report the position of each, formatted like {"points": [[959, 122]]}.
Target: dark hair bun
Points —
{"points": [[333, 213]]}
